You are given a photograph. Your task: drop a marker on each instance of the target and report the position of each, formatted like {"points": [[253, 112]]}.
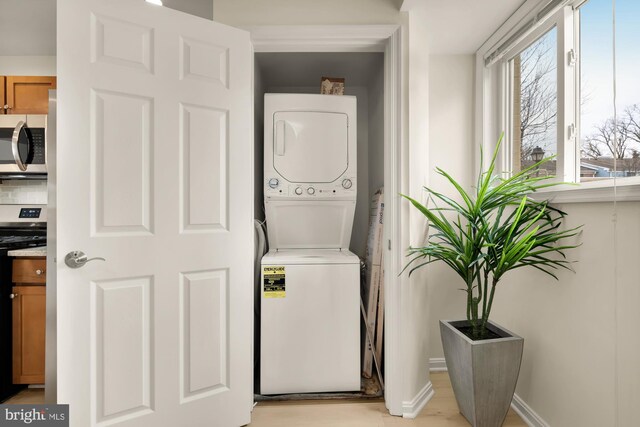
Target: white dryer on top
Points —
{"points": [[310, 152]]}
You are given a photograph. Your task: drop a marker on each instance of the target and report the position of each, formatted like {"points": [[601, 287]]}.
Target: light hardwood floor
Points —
{"points": [[28, 396], [442, 411]]}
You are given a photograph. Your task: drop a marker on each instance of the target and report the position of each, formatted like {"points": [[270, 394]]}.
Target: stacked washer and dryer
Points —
{"points": [[310, 282]]}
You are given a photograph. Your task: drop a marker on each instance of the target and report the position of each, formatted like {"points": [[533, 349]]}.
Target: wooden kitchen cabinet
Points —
{"points": [[29, 270], [29, 321], [27, 94]]}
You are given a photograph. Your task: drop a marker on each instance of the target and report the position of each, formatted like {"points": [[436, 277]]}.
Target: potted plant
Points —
{"points": [[482, 235]]}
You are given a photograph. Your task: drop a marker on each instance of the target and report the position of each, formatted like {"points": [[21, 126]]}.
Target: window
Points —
{"points": [[554, 90], [600, 146], [535, 103], [537, 115]]}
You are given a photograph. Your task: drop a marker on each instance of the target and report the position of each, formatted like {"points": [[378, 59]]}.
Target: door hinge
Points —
{"points": [[572, 131], [572, 57], [389, 244]]}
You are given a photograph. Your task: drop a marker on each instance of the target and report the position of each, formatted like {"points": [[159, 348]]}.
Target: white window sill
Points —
{"points": [[627, 190]]}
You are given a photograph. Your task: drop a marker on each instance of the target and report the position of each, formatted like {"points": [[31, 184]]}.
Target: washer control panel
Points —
{"points": [[277, 187]]}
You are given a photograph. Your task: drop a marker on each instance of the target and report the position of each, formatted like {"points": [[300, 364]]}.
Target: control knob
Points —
{"points": [[273, 182], [311, 191], [298, 191], [347, 184]]}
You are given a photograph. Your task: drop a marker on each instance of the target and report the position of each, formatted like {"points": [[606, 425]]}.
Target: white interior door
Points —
{"points": [[154, 135]]}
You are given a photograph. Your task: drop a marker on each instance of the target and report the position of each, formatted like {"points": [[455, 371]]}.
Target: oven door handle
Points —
{"points": [[14, 145]]}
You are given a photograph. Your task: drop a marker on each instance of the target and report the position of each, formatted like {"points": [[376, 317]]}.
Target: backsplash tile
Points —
{"points": [[15, 192]]}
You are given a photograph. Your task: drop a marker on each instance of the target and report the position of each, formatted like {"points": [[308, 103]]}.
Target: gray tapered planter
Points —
{"points": [[483, 373]]}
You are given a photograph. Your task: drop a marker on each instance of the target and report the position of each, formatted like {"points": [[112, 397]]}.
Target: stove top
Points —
{"points": [[14, 241], [22, 226]]}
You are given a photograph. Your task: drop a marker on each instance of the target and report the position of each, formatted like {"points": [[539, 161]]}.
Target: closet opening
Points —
{"points": [[302, 73]]}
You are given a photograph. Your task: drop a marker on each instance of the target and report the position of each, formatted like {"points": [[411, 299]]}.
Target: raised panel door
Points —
{"points": [[152, 148]]}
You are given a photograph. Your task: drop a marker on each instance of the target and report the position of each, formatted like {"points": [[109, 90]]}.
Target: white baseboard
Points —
{"points": [[412, 409], [527, 414], [520, 407], [437, 364]]}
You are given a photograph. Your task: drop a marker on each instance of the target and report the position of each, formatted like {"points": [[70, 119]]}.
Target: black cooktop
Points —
{"points": [[21, 238]]}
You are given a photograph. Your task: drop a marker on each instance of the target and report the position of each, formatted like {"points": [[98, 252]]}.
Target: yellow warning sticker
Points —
{"points": [[274, 282]]}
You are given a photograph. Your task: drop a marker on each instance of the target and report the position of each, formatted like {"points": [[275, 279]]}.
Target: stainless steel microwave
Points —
{"points": [[23, 145]]}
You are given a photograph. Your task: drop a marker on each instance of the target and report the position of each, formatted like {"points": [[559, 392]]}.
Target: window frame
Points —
{"points": [[507, 86], [495, 85], [567, 147]]}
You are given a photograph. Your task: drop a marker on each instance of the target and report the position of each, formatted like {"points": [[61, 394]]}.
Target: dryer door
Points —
{"points": [[310, 146]]}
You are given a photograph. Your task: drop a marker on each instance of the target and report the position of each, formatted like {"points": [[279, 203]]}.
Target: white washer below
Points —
{"points": [[310, 336]]}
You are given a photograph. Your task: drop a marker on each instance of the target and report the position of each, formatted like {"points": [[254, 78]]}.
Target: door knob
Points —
{"points": [[77, 259], [12, 296]]}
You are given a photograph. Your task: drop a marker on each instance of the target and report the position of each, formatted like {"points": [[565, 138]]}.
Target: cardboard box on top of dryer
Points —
{"points": [[332, 86]]}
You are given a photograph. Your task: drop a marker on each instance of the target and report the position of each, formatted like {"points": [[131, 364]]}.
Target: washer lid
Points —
{"points": [[309, 224], [309, 256], [310, 146]]}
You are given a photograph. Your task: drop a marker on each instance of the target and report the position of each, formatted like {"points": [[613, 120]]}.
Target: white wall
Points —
{"points": [[305, 12], [28, 27], [360, 230], [201, 8], [27, 65], [258, 143], [568, 373], [376, 131], [415, 338], [451, 94]]}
